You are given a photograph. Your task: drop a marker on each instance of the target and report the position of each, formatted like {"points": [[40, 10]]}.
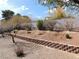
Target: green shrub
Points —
{"points": [[40, 24]]}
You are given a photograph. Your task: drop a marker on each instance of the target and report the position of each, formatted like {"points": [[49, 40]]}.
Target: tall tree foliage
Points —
{"points": [[58, 5], [7, 14], [60, 2], [75, 2], [52, 3], [71, 4], [48, 3]]}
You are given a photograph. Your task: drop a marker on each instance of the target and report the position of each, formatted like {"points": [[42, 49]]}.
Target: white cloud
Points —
{"points": [[13, 8], [24, 8], [4, 5], [19, 9], [3, 1]]}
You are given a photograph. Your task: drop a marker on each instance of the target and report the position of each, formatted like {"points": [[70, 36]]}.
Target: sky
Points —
{"points": [[25, 7], [29, 8]]}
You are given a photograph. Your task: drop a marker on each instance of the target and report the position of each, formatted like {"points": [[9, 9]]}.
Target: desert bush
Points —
{"points": [[69, 24], [68, 36], [19, 52], [29, 26], [49, 24], [19, 27], [40, 25]]}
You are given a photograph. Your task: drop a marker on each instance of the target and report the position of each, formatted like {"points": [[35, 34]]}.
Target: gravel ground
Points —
{"points": [[31, 50], [52, 36]]}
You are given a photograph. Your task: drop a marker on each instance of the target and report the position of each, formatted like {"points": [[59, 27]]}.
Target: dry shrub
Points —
{"points": [[19, 52], [68, 36], [49, 24]]}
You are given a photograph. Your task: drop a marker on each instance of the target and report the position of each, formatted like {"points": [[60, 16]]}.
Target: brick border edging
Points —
{"points": [[63, 47]]}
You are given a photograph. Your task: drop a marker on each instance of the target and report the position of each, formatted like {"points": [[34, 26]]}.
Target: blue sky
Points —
{"points": [[24, 7], [28, 7]]}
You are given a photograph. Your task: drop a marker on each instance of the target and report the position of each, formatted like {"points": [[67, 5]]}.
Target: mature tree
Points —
{"points": [[20, 21], [51, 3], [68, 4], [7, 14], [59, 2], [16, 22]]}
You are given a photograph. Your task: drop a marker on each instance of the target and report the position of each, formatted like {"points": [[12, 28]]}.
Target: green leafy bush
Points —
{"points": [[40, 24]]}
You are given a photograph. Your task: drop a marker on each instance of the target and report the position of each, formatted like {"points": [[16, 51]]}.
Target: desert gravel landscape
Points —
{"points": [[52, 36], [31, 50], [39, 29]]}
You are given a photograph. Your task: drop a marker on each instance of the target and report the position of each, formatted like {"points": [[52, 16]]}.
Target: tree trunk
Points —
{"points": [[13, 39]]}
